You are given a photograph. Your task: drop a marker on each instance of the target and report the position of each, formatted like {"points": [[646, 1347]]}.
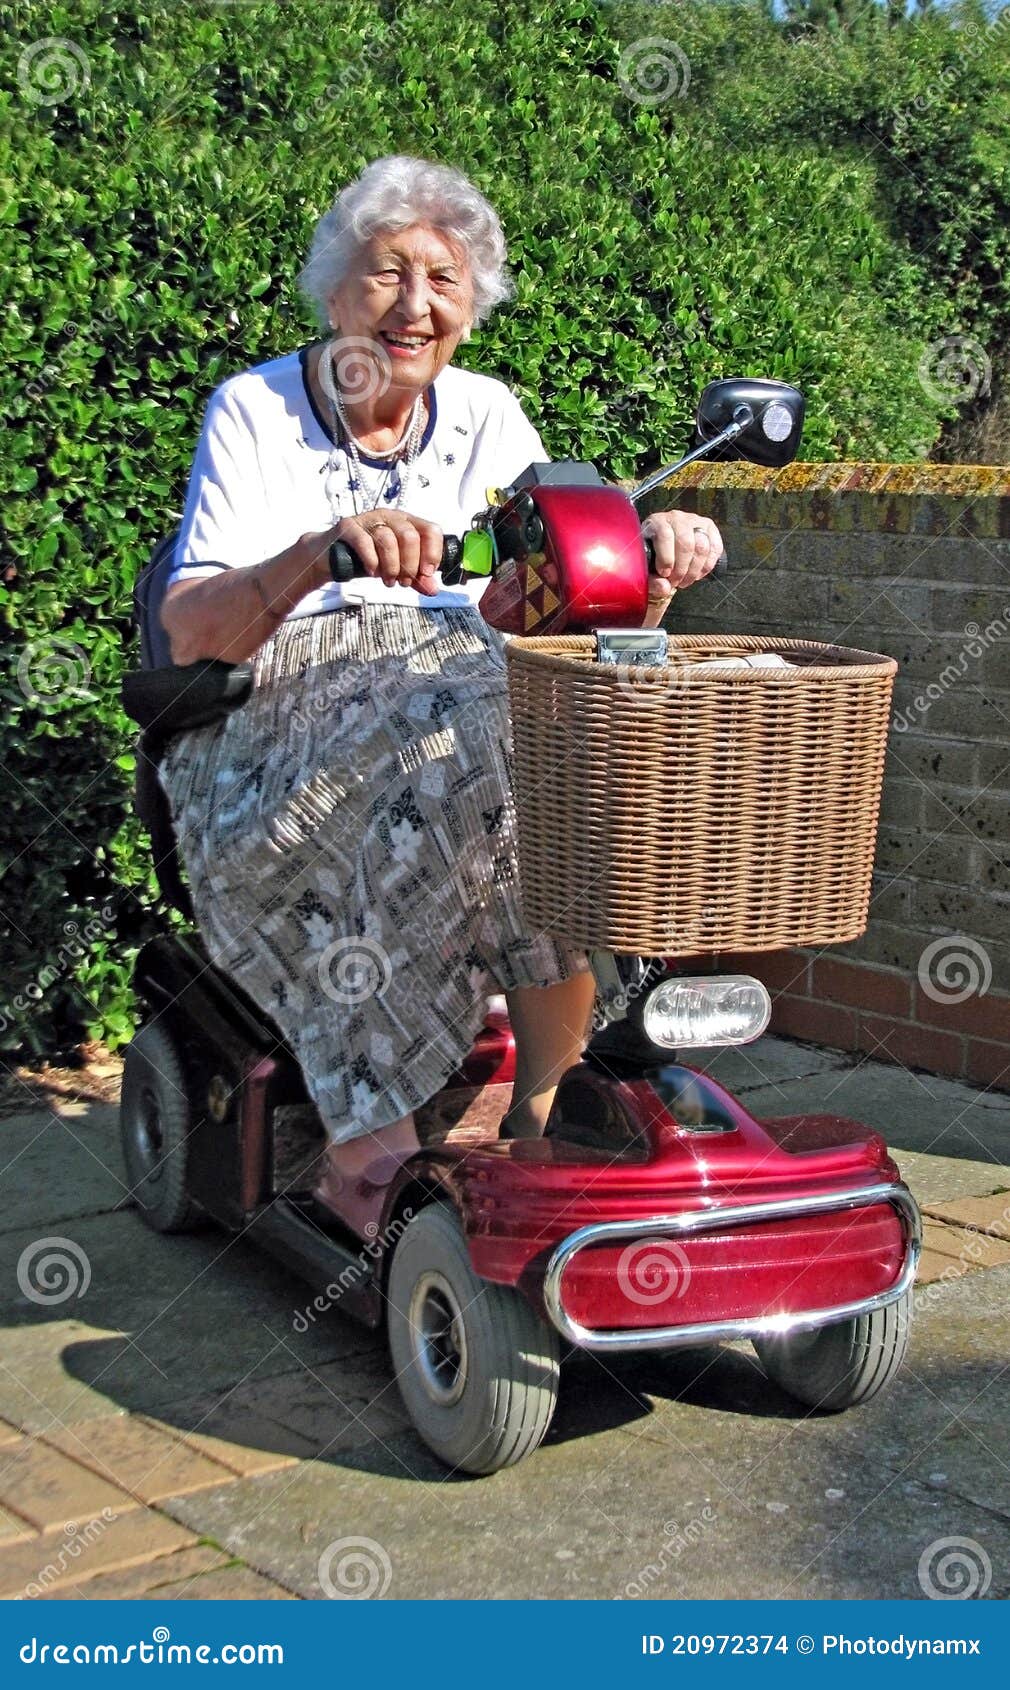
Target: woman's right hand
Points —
{"points": [[402, 550]]}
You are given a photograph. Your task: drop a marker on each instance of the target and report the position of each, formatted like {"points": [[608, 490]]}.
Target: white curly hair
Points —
{"points": [[394, 193]]}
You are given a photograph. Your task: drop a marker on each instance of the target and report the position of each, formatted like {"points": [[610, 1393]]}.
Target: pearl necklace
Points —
{"points": [[401, 456]]}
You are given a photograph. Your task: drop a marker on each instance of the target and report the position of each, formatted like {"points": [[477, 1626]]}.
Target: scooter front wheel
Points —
{"points": [[477, 1369], [843, 1365]]}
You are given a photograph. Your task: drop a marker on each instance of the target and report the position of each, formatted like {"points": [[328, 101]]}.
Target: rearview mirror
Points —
{"points": [[771, 413]]}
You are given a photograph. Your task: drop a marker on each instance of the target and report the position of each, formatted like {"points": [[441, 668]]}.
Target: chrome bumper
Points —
{"points": [[709, 1220]]}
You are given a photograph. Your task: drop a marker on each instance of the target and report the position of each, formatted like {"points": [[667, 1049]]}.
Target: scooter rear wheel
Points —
{"points": [[477, 1369], [843, 1365], [155, 1122]]}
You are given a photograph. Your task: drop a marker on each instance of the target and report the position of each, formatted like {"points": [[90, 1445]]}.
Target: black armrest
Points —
{"points": [[166, 701]]}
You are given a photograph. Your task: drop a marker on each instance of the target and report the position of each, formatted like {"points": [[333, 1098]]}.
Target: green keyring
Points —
{"points": [[478, 551]]}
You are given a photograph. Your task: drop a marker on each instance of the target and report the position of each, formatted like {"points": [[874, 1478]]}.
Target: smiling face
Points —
{"points": [[409, 293]]}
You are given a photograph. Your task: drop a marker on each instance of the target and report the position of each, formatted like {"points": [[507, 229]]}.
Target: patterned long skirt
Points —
{"points": [[349, 840]]}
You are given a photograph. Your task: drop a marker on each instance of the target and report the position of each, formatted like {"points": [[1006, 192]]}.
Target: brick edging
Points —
{"points": [[885, 1014]]}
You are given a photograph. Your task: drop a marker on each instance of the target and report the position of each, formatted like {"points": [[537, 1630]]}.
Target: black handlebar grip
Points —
{"points": [[721, 563], [345, 564]]}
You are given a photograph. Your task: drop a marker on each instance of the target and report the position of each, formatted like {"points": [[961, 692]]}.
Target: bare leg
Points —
{"points": [[353, 1157], [551, 1024], [354, 1175]]}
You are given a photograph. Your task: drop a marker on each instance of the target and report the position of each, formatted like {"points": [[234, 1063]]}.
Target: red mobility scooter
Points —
{"points": [[656, 1211]]}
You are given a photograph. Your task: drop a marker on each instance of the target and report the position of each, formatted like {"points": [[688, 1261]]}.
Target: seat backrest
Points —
{"points": [[148, 593], [166, 698], [148, 596]]}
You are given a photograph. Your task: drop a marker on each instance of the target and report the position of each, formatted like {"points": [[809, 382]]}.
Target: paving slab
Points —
{"points": [[769, 1061], [976, 1249], [61, 1560], [337, 1407], [137, 1456], [947, 1179], [13, 1529], [242, 1440], [953, 1391], [990, 1215], [934, 1266], [685, 1475], [59, 1164], [233, 1584], [43, 1486], [804, 1505], [37, 1390], [165, 1319], [147, 1576], [915, 1112], [617, 1516]]}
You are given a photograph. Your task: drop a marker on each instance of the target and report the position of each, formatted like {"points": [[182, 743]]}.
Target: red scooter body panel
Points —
{"points": [[492, 1061], [519, 1200], [592, 572]]}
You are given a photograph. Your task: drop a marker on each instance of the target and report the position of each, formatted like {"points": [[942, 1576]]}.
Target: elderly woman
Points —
{"points": [[349, 835]]}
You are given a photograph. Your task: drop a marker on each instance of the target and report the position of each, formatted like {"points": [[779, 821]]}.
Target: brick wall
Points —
{"points": [[913, 561]]}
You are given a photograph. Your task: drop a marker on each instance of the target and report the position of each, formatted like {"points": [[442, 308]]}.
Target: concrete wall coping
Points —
{"points": [[966, 481]]}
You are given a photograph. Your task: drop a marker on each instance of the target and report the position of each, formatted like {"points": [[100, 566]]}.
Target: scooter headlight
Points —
{"points": [[725, 1009]]}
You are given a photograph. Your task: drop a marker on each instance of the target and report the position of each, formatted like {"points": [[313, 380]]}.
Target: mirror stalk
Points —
{"points": [[743, 416]]}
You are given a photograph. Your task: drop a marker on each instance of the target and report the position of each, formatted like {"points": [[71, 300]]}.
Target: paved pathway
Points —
{"points": [[168, 1431]]}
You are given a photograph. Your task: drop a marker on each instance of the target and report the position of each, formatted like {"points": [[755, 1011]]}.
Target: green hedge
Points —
{"points": [[779, 212]]}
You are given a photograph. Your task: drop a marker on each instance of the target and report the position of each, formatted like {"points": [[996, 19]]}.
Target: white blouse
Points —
{"points": [[258, 477]]}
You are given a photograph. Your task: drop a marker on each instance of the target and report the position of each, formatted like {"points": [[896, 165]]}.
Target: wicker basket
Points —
{"points": [[695, 808]]}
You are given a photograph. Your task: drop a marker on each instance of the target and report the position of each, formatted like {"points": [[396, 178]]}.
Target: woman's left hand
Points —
{"points": [[687, 548]]}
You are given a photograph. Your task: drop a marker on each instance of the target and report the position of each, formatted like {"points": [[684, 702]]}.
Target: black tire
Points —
{"points": [[476, 1367], [843, 1365], [155, 1121]]}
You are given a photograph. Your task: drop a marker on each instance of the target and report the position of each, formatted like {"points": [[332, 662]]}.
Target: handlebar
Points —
{"points": [[345, 565], [716, 574]]}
